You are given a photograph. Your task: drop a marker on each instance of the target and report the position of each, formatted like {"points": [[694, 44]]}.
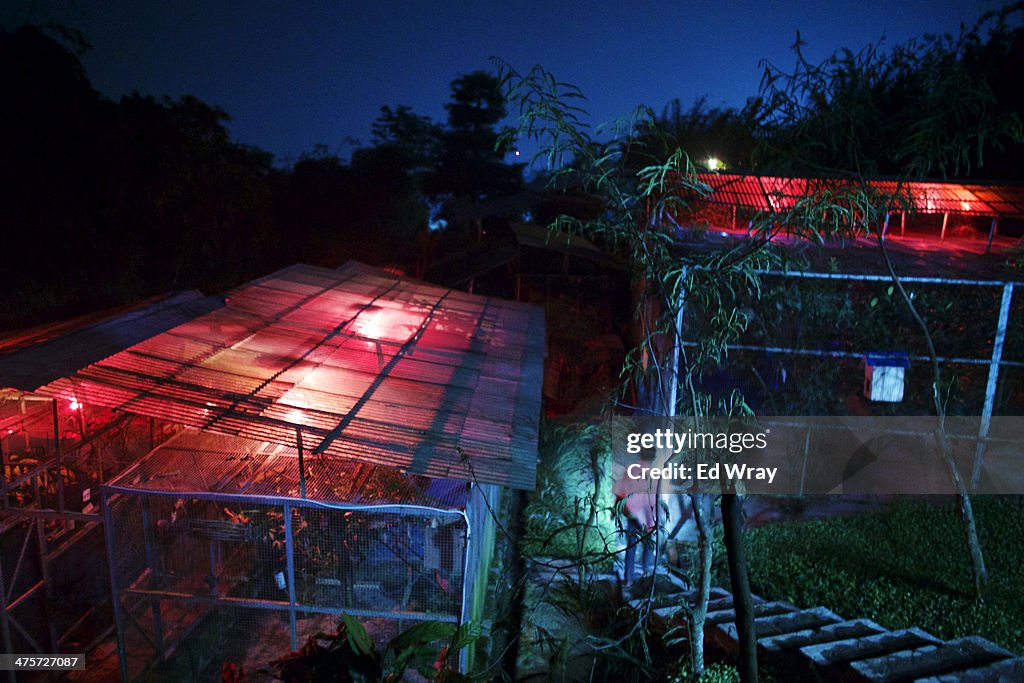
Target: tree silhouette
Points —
{"points": [[471, 165]]}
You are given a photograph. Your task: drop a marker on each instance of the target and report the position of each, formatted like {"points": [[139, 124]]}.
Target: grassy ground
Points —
{"points": [[904, 565]]}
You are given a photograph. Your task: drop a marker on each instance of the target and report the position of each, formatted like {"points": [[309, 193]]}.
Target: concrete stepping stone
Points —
{"points": [[842, 652], [828, 633], [786, 622], [725, 602], [719, 604], [955, 655], [761, 609], [1003, 671], [719, 600]]}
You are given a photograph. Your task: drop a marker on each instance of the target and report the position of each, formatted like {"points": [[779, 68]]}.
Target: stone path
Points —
{"points": [[817, 644]]}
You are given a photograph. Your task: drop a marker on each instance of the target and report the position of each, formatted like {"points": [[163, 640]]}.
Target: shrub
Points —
{"points": [[902, 566]]}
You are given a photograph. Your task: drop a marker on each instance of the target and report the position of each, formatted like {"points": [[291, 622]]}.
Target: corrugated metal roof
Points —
{"points": [[205, 462], [779, 193], [540, 237], [368, 366], [31, 358]]}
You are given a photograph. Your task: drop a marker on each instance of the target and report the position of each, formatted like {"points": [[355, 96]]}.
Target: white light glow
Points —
{"points": [[714, 164], [372, 325]]}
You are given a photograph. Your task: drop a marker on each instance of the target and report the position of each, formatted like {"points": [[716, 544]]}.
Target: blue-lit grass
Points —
{"points": [[905, 565]]}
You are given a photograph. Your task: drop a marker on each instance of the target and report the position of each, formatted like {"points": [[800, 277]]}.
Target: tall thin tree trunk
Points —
{"points": [[978, 570], [742, 602], [701, 504]]}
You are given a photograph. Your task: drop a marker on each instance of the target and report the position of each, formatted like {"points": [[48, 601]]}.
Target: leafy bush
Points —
{"points": [[349, 656], [713, 673], [902, 566]]}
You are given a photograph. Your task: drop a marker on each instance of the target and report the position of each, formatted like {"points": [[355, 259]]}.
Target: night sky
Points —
{"points": [[293, 75]]}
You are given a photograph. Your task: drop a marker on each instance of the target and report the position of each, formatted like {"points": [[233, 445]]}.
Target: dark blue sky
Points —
{"points": [[294, 74]]}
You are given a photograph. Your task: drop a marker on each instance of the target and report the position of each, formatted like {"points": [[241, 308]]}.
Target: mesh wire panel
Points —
{"points": [[64, 601], [31, 473], [379, 562], [80, 584], [200, 461], [181, 562], [248, 638]]}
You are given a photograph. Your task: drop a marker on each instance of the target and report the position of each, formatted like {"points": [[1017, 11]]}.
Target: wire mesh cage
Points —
{"points": [[54, 456], [808, 341], [207, 525]]}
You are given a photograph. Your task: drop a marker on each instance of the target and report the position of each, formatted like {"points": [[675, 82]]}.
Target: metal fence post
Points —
{"points": [[154, 580], [993, 379], [108, 535], [289, 549]]}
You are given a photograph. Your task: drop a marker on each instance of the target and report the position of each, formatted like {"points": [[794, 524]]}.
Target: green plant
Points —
{"points": [[349, 655], [900, 566], [714, 673], [630, 642], [569, 515]]}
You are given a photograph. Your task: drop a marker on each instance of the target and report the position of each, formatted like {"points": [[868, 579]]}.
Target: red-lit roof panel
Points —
{"points": [[777, 193], [366, 365]]}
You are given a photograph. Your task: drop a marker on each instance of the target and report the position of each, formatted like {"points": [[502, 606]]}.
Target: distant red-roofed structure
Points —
{"points": [[972, 203]]}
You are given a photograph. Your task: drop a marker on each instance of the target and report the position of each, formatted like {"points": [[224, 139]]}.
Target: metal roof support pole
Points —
{"points": [[81, 420], [154, 580], [733, 216], [991, 234], [60, 460], [51, 595], [302, 465], [24, 432], [945, 222], [903, 222], [885, 225], [5, 627], [3, 477], [470, 557], [289, 550], [993, 379], [108, 537]]}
